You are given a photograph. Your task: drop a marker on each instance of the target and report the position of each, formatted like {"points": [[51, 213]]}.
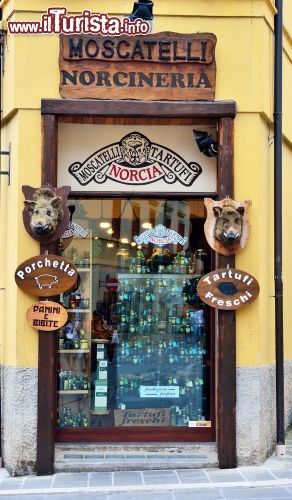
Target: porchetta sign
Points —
{"points": [[46, 275], [135, 160]]}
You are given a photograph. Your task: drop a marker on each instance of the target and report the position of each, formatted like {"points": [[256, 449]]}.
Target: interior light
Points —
{"points": [[133, 244], [147, 225], [104, 225], [96, 237], [124, 240], [110, 230], [110, 245], [139, 247]]}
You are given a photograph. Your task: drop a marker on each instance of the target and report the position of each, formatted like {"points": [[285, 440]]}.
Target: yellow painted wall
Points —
{"points": [[19, 341], [244, 56]]}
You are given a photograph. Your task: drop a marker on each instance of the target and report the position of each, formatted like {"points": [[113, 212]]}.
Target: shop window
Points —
{"points": [[136, 350]]}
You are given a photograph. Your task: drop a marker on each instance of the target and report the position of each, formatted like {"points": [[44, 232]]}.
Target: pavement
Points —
{"points": [[270, 481]]}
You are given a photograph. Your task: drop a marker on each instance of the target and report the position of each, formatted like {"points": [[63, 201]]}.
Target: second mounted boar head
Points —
{"points": [[46, 214], [227, 227], [46, 211]]}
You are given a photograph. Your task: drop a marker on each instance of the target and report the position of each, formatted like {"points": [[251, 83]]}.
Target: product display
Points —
{"points": [[162, 345], [69, 419], [142, 344], [100, 395], [70, 382], [74, 342]]}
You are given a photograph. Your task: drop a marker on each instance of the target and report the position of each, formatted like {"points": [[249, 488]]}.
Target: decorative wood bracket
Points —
{"points": [[7, 172]]}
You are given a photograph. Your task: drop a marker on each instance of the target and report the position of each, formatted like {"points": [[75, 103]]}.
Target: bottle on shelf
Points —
{"points": [[83, 342], [77, 298], [61, 339]]}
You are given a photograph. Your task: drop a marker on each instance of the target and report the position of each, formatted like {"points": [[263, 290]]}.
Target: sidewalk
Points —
{"points": [[272, 480]]}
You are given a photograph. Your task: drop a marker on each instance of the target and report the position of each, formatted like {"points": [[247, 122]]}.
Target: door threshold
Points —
{"points": [[84, 457]]}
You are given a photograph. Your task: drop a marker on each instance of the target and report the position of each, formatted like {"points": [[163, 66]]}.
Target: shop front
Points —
{"points": [[136, 359]]}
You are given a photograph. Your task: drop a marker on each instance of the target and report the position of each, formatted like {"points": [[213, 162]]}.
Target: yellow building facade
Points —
{"points": [[244, 60]]}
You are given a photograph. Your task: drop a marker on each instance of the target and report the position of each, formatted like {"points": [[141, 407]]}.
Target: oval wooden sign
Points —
{"points": [[46, 275], [228, 289], [46, 316]]}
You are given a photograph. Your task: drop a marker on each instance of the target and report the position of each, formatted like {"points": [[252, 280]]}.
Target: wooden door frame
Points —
{"points": [[223, 112]]}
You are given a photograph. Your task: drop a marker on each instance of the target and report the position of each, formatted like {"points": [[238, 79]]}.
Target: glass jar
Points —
{"points": [[122, 257]]}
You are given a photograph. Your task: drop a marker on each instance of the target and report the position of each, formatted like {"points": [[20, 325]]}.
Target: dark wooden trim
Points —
{"points": [[212, 357], [226, 368], [49, 150], [150, 195], [47, 372], [226, 361], [134, 434], [132, 109]]}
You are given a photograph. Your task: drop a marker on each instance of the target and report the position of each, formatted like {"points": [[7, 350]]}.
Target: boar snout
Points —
{"points": [[41, 229], [231, 236]]}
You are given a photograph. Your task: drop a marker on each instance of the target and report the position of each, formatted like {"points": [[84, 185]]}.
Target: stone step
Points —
{"points": [[92, 457]]}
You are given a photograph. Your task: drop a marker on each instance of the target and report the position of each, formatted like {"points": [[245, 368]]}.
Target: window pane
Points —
{"points": [[136, 348]]}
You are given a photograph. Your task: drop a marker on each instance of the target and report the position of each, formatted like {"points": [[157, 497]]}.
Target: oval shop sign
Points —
{"points": [[228, 289], [46, 316], [46, 275]]}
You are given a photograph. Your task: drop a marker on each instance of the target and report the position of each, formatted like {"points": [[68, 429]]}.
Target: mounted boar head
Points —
{"points": [[227, 227], [46, 211]]}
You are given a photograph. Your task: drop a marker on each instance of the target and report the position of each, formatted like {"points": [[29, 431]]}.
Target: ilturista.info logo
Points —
{"points": [[56, 21]]}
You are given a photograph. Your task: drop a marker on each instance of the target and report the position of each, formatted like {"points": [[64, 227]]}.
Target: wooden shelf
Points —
{"points": [[100, 412], [73, 351], [158, 275], [79, 391], [76, 310], [99, 341]]}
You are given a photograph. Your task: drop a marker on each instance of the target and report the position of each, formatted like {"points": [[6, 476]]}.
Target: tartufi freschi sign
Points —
{"points": [[228, 289], [146, 417]]}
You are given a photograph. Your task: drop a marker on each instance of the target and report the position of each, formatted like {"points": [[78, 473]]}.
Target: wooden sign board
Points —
{"points": [[147, 417], [158, 66], [228, 289], [46, 275], [46, 316]]}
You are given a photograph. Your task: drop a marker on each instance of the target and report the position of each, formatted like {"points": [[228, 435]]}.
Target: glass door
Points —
{"points": [[136, 353]]}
